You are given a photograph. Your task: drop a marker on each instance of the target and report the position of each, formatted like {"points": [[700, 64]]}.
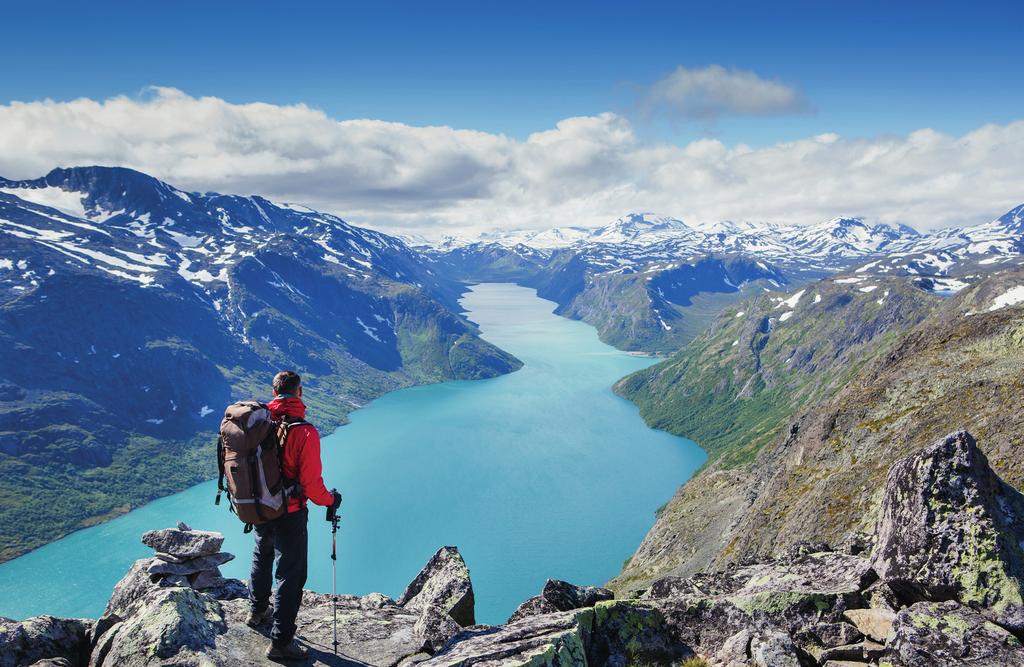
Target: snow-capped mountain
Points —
{"points": [[609, 275], [958, 251], [643, 228], [826, 247], [131, 308], [842, 238], [132, 226]]}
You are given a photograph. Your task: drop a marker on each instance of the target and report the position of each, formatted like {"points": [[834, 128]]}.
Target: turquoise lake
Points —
{"points": [[540, 473]]}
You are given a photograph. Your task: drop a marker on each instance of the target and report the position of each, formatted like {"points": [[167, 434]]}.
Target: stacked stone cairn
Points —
{"points": [[186, 557]]}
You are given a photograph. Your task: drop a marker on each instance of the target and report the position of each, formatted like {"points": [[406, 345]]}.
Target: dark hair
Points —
{"points": [[286, 382]]}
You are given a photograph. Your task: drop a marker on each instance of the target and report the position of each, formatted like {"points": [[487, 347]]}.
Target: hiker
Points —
{"points": [[285, 538]]}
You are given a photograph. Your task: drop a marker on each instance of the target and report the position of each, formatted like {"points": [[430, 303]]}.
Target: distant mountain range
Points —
{"points": [[133, 312], [613, 276], [828, 246]]}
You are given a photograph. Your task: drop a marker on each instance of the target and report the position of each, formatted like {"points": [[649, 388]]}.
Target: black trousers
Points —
{"points": [[284, 540]]}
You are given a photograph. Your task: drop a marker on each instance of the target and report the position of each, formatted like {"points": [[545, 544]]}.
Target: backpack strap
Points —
{"points": [[220, 470], [290, 486]]}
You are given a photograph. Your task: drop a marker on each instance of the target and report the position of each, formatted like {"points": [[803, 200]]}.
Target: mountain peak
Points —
{"points": [[1013, 220], [847, 221], [649, 220]]}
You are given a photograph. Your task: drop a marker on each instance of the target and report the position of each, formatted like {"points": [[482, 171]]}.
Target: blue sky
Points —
{"points": [[865, 68], [457, 117]]}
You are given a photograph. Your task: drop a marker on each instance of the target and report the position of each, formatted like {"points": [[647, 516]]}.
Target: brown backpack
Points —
{"points": [[249, 453]]}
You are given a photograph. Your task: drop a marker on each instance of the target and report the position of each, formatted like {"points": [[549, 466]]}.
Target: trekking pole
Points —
{"points": [[335, 519]]}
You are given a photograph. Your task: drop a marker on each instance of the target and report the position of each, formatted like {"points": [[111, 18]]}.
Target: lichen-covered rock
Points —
{"points": [[612, 634], [375, 601], [43, 638], [829, 635], [435, 627], [103, 624], [948, 634], [560, 595], [566, 596], [549, 640], [875, 623], [803, 548], [707, 609], [859, 651], [628, 632], [166, 624], [534, 606], [951, 529], [443, 582], [184, 544], [773, 649], [132, 586], [826, 572], [736, 649]]}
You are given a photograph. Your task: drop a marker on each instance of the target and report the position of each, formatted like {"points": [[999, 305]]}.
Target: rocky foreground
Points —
{"points": [[939, 583]]}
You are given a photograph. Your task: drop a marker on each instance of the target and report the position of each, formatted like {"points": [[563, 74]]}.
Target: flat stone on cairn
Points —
{"points": [[186, 557], [183, 542]]}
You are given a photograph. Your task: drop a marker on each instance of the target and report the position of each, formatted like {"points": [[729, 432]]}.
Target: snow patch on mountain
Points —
{"points": [[1010, 297], [65, 201]]}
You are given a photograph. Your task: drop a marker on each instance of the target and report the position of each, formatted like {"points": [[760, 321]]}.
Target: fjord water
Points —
{"points": [[540, 473]]}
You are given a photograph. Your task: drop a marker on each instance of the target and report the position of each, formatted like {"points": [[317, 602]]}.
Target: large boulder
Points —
{"points": [[771, 648], [951, 529], [443, 582], [560, 595], [44, 638], [875, 623], [612, 634], [132, 586], [435, 628], [170, 625], [183, 542], [948, 634], [793, 598]]}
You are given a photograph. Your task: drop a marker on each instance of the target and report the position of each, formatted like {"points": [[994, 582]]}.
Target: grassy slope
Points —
{"points": [[820, 449], [733, 388]]}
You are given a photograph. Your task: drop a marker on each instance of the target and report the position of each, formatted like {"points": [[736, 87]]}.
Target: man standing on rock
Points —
{"points": [[285, 539]]}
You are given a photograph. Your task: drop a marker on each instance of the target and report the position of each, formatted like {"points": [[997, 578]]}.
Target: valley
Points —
{"points": [[804, 361], [488, 465]]}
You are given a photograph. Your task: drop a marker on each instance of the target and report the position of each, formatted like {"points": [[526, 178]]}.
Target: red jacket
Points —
{"points": [[301, 459]]}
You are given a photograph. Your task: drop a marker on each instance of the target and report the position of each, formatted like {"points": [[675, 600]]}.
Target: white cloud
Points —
{"points": [[706, 93], [585, 171]]}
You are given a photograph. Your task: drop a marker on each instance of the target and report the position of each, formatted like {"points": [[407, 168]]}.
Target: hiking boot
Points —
{"points": [[257, 618], [293, 651]]}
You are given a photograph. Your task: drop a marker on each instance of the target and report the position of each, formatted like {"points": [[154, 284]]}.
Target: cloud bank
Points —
{"points": [[585, 171], [711, 92]]}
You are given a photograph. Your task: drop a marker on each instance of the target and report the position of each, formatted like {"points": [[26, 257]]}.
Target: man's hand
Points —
{"points": [[332, 511]]}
